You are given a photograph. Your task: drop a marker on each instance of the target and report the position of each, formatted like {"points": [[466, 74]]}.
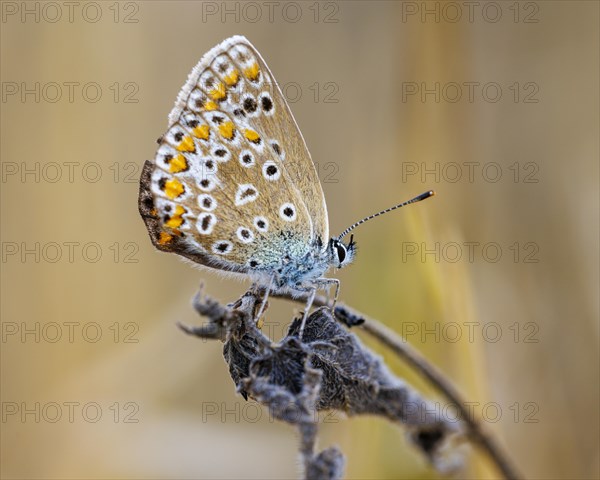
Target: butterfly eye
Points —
{"points": [[341, 253]]}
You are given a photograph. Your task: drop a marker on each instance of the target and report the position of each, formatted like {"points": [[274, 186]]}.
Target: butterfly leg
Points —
{"points": [[323, 282], [311, 298], [312, 291], [265, 297]]}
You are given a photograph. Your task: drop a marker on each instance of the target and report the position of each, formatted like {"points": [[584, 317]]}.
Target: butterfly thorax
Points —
{"points": [[300, 272]]}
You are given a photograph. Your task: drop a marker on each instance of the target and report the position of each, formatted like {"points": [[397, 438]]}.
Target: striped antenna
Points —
{"points": [[423, 196]]}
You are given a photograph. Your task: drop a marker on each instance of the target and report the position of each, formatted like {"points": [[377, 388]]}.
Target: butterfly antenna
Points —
{"points": [[423, 196]]}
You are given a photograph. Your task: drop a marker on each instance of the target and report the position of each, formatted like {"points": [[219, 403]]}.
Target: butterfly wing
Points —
{"points": [[225, 188]]}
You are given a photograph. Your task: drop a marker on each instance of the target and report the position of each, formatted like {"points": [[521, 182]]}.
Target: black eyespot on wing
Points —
{"points": [[276, 147], [271, 170], [250, 105], [207, 202], [267, 104], [288, 212], [178, 136], [261, 224], [193, 123], [253, 263], [247, 158], [222, 247], [220, 152], [245, 234]]}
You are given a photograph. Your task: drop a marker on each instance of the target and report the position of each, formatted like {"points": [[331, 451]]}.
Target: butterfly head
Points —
{"points": [[340, 253]]}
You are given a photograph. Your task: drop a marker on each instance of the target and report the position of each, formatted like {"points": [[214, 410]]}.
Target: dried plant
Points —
{"points": [[330, 369]]}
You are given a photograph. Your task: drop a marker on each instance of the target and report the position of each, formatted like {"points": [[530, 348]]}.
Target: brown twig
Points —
{"points": [[414, 358]]}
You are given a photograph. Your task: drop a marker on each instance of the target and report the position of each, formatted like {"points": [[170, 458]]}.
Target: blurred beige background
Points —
{"points": [[495, 279]]}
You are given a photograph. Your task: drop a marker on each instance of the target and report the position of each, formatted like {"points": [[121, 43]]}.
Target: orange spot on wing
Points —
{"points": [[178, 164], [173, 188], [232, 79], [176, 219], [227, 130], [187, 145], [251, 135], [164, 238], [252, 71], [210, 105], [218, 93], [202, 132]]}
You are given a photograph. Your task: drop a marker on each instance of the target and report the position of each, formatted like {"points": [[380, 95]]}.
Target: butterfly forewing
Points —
{"points": [[232, 185]]}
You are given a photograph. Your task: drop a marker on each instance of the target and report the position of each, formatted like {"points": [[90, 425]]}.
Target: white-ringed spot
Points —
{"points": [[247, 159], [261, 224], [245, 235], [246, 193], [250, 105], [196, 100], [278, 150], [287, 212], [207, 184], [271, 171], [175, 136], [207, 202], [266, 103], [222, 247], [206, 222], [220, 153]]}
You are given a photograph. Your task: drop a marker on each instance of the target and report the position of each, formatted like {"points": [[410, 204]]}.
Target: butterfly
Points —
{"points": [[233, 186]]}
